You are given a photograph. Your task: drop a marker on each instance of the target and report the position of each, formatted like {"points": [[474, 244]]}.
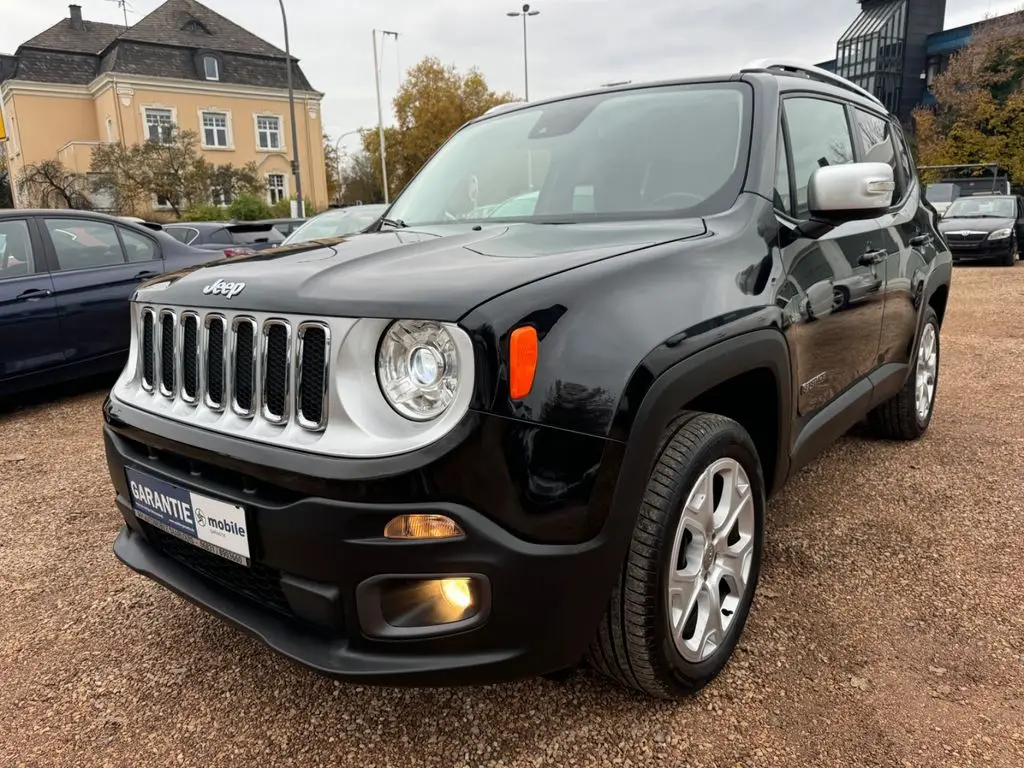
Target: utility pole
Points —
{"points": [[380, 113], [525, 13], [295, 130]]}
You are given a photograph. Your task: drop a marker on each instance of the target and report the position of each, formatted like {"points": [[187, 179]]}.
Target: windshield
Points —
{"points": [[337, 223], [653, 152], [983, 207]]}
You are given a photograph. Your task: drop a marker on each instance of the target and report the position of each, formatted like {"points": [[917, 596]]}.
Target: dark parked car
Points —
{"points": [[337, 222], [230, 238], [985, 228], [284, 226], [66, 278], [467, 447]]}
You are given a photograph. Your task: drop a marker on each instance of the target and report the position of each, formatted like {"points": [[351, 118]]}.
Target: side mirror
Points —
{"points": [[851, 192]]}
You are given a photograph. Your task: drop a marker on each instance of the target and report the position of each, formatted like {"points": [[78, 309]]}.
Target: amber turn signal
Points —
{"points": [[522, 353], [422, 527]]}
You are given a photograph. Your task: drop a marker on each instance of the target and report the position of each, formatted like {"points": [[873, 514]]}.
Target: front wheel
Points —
{"points": [[693, 564]]}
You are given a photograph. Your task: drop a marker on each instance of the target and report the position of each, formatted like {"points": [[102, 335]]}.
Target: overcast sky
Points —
{"points": [[573, 44]]}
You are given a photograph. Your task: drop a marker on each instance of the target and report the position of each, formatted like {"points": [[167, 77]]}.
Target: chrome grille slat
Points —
{"points": [[273, 370], [189, 362], [244, 369], [214, 361], [168, 356], [147, 349], [312, 363]]}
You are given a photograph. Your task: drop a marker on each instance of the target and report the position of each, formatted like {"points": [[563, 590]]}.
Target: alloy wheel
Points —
{"points": [[927, 365], [712, 555]]}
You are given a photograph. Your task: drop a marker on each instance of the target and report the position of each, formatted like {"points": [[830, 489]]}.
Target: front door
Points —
{"points": [[93, 282], [29, 333], [838, 279]]}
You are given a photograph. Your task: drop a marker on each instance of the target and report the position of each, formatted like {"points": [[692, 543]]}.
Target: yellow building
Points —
{"points": [[81, 83]]}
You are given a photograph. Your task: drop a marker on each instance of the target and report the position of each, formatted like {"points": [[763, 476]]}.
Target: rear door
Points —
{"points": [[29, 330], [95, 267]]}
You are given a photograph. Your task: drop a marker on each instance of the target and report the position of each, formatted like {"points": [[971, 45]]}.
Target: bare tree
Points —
{"points": [[50, 185]]}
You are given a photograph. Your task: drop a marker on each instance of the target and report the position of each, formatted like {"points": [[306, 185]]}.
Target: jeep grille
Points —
{"points": [[270, 370]]}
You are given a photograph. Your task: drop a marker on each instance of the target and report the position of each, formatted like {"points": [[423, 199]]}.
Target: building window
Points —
{"points": [[215, 129], [110, 130], [159, 125], [870, 53], [276, 187], [221, 197], [268, 132], [211, 69]]}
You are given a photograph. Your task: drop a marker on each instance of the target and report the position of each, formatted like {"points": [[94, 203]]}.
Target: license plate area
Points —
{"points": [[202, 521]]}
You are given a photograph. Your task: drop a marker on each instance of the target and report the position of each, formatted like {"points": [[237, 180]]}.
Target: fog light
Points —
{"points": [[409, 603], [422, 527], [457, 592]]}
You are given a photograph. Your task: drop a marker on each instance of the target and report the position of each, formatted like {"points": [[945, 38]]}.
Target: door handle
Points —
{"points": [[34, 294], [872, 257], [921, 240], [145, 273]]}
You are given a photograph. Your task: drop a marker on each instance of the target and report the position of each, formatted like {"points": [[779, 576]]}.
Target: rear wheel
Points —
{"points": [[693, 563], [907, 415]]}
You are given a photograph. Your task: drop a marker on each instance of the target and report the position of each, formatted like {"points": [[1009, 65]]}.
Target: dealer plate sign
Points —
{"points": [[210, 524]]}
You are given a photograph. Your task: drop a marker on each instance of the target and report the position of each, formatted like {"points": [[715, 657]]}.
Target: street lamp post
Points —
{"points": [[525, 13], [380, 113], [337, 153], [291, 108]]}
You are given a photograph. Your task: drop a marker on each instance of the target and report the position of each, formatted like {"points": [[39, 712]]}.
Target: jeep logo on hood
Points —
{"points": [[225, 289]]}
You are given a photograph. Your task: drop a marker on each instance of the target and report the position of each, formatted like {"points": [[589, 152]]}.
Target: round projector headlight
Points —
{"points": [[418, 368]]}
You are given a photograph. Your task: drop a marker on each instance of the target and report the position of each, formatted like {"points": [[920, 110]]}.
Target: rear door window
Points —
{"points": [[84, 244], [220, 237]]}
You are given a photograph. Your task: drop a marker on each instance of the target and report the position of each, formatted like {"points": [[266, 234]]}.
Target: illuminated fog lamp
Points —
{"points": [[405, 527], [423, 603]]}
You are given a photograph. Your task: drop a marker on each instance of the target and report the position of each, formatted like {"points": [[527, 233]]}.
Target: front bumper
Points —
{"points": [[314, 547], [986, 250]]}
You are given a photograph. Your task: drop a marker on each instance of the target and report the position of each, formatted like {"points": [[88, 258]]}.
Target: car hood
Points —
{"points": [[437, 273], [974, 225]]}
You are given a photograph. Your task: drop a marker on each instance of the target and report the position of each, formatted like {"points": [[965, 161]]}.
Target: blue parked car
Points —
{"points": [[65, 281]]}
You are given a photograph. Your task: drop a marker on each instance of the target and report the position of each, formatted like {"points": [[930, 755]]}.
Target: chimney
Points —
{"points": [[76, 16]]}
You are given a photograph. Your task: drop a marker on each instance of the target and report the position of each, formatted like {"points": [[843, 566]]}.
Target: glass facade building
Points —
{"points": [[871, 51]]}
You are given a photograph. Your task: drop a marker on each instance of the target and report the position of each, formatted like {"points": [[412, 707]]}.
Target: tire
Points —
{"points": [[1010, 258], [899, 418], [840, 298], [636, 645]]}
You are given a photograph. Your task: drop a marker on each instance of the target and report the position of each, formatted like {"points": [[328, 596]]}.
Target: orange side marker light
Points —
{"points": [[522, 361]]}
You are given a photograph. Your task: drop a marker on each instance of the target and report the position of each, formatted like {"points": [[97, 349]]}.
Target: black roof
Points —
{"points": [[168, 42]]}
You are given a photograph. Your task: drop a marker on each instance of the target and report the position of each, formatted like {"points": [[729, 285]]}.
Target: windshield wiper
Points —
{"points": [[396, 223]]}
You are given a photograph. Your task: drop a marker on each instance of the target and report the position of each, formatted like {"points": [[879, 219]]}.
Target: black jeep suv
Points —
{"points": [[534, 415]]}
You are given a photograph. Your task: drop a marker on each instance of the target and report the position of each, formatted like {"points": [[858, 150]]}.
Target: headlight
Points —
{"points": [[418, 368], [1000, 234]]}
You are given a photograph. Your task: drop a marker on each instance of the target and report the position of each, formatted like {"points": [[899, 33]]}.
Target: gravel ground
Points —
{"points": [[887, 630]]}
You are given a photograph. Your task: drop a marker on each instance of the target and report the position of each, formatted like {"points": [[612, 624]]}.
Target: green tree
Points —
{"points": [[125, 175], [331, 161], [50, 184], [361, 181], [979, 116], [249, 208], [228, 181], [6, 196], [181, 177], [431, 104]]}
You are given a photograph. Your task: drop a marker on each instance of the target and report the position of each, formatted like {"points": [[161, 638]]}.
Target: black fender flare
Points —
{"points": [[669, 393]]}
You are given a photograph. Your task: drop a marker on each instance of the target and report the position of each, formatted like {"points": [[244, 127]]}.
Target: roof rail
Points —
{"points": [[810, 71]]}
